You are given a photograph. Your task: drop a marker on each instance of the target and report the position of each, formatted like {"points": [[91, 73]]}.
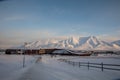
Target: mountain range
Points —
{"points": [[75, 43]]}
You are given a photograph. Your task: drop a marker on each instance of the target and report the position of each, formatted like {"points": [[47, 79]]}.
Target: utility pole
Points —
{"points": [[24, 54]]}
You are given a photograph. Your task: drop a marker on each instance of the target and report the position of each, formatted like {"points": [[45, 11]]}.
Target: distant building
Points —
{"points": [[2, 51], [29, 51], [13, 51], [105, 53], [47, 51]]}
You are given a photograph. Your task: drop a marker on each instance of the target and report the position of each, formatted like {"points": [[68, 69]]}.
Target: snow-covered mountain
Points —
{"points": [[116, 42], [78, 43]]}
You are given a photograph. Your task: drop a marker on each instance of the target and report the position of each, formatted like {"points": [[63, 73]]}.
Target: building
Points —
{"points": [[2, 51], [29, 51], [13, 51]]}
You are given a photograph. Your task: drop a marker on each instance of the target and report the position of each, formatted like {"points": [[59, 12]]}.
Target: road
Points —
{"points": [[48, 69]]}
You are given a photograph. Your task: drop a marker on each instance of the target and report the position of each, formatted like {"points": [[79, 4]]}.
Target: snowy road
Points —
{"points": [[51, 69], [48, 69]]}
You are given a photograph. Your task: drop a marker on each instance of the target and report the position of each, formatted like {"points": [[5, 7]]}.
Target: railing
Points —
{"points": [[101, 65]]}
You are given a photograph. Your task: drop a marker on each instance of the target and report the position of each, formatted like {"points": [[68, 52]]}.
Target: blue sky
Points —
{"points": [[29, 20]]}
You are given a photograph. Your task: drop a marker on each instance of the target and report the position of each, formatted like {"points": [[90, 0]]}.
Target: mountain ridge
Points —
{"points": [[77, 43]]}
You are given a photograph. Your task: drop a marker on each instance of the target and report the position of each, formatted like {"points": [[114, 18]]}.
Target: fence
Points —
{"points": [[101, 65]]}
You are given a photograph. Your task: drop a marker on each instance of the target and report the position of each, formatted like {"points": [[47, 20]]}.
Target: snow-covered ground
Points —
{"points": [[50, 68], [108, 61], [11, 65]]}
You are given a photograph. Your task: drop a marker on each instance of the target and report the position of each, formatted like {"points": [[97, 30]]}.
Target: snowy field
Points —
{"points": [[10, 65], [50, 68]]}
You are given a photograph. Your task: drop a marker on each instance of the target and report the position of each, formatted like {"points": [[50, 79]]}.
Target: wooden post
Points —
{"points": [[79, 64], [88, 65], [73, 63], [24, 60], [69, 62], [102, 66]]}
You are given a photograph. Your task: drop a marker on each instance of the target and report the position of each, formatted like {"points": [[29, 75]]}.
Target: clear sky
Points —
{"points": [[30, 20]]}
